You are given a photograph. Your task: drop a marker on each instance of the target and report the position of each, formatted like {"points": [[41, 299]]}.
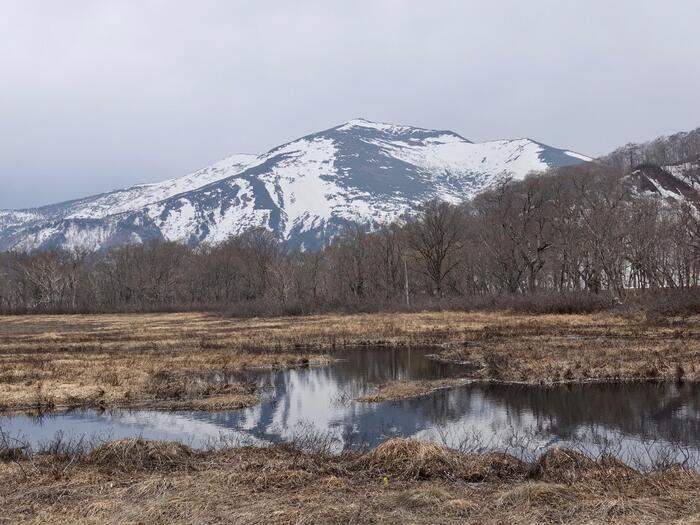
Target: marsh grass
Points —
{"points": [[191, 390], [402, 480], [50, 362], [158, 361], [177, 360]]}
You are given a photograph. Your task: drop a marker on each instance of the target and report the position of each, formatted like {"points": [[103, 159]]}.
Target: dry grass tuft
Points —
{"points": [[561, 465], [408, 458], [131, 455]]}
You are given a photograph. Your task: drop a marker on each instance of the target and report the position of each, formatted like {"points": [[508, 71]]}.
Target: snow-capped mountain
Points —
{"points": [[305, 191]]}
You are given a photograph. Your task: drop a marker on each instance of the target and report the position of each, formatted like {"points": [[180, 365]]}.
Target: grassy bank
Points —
{"points": [[401, 481], [580, 348], [190, 360], [179, 361]]}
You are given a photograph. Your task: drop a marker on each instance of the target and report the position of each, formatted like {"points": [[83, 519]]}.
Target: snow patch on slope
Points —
{"points": [[301, 180], [447, 155], [578, 156], [137, 197]]}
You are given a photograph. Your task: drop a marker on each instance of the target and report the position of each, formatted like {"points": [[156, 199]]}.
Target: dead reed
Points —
{"points": [[403, 480]]}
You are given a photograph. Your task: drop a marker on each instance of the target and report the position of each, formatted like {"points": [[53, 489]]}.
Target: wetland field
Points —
{"points": [[368, 418]]}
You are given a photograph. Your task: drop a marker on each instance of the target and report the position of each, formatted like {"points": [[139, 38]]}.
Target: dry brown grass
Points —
{"points": [[406, 458], [410, 459], [579, 348], [161, 361], [132, 455], [402, 481], [59, 361], [407, 389]]}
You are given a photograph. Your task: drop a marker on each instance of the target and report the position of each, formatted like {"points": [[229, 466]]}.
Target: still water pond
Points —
{"points": [[625, 418]]}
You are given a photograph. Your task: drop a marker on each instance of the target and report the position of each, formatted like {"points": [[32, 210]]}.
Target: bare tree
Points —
{"points": [[436, 237]]}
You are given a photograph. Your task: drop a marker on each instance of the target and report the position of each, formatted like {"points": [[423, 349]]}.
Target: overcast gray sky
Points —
{"points": [[98, 94]]}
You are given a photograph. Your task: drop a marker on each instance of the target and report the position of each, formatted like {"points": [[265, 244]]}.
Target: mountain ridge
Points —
{"points": [[305, 191]]}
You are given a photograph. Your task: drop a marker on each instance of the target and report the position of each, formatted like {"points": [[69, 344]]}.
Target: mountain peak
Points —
{"points": [[369, 128], [369, 124]]}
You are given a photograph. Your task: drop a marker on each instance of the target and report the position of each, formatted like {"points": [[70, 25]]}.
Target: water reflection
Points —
{"points": [[321, 398]]}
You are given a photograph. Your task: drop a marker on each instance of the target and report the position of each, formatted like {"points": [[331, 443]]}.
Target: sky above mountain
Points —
{"points": [[97, 94]]}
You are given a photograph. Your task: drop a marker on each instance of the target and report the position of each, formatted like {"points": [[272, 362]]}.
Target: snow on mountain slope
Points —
{"points": [[674, 183], [136, 197], [305, 191]]}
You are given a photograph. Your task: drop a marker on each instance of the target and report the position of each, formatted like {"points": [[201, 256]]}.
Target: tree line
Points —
{"points": [[580, 232]]}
